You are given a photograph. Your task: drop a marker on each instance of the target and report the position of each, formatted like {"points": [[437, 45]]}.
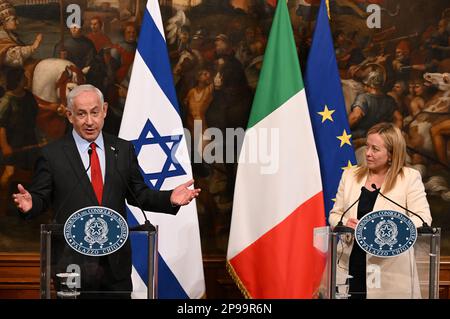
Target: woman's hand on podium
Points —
{"points": [[351, 222], [23, 199]]}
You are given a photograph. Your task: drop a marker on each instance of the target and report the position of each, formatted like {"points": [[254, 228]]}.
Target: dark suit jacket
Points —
{"points": [[60, 182]]}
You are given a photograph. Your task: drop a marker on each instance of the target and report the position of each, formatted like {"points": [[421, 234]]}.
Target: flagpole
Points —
{"points": [[328, 9]]}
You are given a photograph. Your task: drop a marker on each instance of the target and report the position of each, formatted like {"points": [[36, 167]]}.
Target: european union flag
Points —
{"points": [[327, 109]]}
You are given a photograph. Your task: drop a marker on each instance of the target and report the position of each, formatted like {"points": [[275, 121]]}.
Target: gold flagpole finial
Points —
{"points": [[327, 2]]}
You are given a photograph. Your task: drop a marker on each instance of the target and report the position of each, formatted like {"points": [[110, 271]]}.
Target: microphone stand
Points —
{"points": [[152, 261], [340, 227], [73, 188], [424, 229], [147, 226]]}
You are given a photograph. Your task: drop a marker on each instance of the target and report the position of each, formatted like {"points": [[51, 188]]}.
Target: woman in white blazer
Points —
{"points": [[376, 277]]}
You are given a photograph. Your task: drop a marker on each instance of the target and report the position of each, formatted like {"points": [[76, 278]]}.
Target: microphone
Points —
{"points": [[74, 186], [424, 229], [147, 226], [340, 228]]}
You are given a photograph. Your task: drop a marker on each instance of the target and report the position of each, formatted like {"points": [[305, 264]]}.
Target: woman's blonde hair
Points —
{"points": [[396, 147]]}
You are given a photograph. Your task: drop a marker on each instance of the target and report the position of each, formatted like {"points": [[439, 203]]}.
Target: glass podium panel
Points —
{"points": [[427, 253], [414, 274], [321, 242], [69, 274]]}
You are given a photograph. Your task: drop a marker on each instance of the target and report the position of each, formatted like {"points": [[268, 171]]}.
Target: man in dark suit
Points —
{"points": [[69, 176]]}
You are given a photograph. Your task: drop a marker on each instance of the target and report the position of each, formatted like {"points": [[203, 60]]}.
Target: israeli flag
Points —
{"points": [[151, 120]]}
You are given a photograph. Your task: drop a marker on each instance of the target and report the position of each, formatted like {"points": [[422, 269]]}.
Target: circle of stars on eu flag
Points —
{"points": [[169, 144]]}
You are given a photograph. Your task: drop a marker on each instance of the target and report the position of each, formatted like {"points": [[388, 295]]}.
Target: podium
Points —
{"points": [[66, 273], [417, 277]]}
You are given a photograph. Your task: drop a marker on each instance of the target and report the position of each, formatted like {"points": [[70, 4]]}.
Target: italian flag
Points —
{"points": [[277, 204]]}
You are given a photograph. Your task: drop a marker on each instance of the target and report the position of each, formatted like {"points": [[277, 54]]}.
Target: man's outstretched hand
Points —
{"points": [[182, 195], [23, 199]]}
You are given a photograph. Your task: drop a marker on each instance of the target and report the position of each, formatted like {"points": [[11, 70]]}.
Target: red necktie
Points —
{"points": [[96, 174]]}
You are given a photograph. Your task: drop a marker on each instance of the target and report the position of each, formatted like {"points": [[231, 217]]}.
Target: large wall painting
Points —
{"points": [[393, 57]]}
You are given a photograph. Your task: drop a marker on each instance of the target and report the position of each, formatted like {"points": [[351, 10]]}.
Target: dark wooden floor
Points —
{"points": [[19, 277]]}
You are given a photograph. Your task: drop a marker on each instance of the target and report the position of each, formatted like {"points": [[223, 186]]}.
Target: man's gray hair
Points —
{"points": [[80, 89]]}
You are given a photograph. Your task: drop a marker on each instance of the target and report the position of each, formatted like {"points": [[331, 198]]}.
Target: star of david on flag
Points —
{"points": [[169, 145]]}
